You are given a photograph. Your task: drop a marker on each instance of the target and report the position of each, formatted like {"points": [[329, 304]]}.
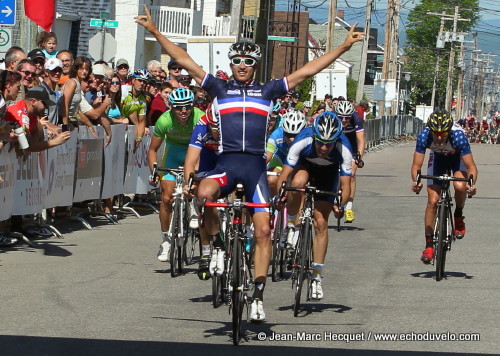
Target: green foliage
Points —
{"points": [[304, 89], [421, 34], [352, 87]]}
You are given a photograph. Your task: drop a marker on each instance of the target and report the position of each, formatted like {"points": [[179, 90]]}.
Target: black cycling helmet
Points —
{"points": [[440, 121], [243, 48]]}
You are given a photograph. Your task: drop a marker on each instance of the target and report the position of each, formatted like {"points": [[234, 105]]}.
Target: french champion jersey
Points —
{"points": [[303, 147], [457, 142], [244, 112], [202, 136], [354, 125]]}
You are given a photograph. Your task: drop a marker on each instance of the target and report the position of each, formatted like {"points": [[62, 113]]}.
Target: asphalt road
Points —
{"points": [[102, 292]]}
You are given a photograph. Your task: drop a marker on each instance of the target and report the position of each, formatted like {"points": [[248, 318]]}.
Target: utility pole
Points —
{"points": [[332, 14], [364, 52], [389, 66], [436, 71], [460, 84], [236, 15], [451, 63]]}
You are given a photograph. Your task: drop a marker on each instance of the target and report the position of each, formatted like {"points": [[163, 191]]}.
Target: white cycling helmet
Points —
{"points": [[344, 108], [244, 48], [293, 122]]}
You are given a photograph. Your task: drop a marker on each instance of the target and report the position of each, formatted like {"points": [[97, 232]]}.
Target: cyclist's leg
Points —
{"points": [[322, 211], [167, 189], [459, 171], [300, 178], [349, 212]]}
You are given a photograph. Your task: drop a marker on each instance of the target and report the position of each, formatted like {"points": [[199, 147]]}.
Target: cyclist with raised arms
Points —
{"points": [[352, 128], [450, 150], [244, 106], [316, 155], [175, 127]]}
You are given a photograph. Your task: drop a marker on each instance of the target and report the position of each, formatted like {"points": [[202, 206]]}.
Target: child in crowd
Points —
{"points": [[47, 42]]}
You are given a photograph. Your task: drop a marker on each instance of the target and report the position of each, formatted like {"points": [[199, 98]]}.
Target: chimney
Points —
{"points": [[340, 14]]}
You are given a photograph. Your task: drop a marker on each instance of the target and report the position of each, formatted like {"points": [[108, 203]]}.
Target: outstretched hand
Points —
{"points": [[354, 36], [146, 20]]}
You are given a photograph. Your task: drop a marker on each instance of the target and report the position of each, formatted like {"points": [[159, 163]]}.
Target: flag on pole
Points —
{"points": [[40, 12]]}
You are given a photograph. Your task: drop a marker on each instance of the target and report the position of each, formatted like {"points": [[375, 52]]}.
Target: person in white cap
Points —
{"points": [[53, 70], [98, 75]]}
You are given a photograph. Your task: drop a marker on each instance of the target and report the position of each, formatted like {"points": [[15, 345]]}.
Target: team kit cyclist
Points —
{"points": [[244, 106], [450, 150]]}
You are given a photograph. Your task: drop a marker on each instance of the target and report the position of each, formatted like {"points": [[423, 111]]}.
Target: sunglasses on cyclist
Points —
{"points": [[324, 143], [182, 107], [344, 117], [248, 62], [289, 135]]}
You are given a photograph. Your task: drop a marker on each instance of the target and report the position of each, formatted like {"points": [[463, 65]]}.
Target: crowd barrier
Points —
{"points": [[84, 168], [387, 127]]}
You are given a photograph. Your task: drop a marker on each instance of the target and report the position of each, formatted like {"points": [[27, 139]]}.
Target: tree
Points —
{"points": [[421, 34]]}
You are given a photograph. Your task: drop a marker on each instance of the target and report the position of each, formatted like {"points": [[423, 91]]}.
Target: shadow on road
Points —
{"points": [[310, 308], [432, 274], [33, 345]]}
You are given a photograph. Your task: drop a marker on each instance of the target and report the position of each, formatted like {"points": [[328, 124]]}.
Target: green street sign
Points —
{"points": [[282, 38], [107, 23]]}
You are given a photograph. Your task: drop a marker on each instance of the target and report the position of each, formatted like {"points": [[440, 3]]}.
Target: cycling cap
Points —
{"points": [[293, 122], [181, 96], [440, 121], [327, 126], [142, 74], [222, 75], [344, 108], [212, 115], [243, 48]]}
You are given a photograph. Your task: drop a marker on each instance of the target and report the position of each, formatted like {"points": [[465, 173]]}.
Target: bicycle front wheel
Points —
{"points": [[441, 242], [303, 253], [237, 289], [277, 252], [192, 243], [174, 246]]}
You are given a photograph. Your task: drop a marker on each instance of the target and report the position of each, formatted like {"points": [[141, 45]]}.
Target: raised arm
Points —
{"points": [[174, 51], [320, 63]]}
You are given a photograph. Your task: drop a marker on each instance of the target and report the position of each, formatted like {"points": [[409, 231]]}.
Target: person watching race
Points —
{"points": [[352, 128], [244, 106], [175, 127], [316, 155], [450, 149]]}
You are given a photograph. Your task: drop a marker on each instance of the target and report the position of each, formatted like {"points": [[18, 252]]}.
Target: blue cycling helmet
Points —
{"points": [[142, 74], [327, 126], [181, 96], [277, 107]]}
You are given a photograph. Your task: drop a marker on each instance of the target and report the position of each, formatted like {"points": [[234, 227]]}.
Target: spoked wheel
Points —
{"points": [[192, 243], [217, 284], [277, 256], [176, 257], [237, 291], [441, 243], [174, 263], [301, 268], [338, 224]]}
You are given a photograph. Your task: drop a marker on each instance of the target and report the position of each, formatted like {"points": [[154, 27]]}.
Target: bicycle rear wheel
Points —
{"points": [[303, 253], [174, 246], [441, 242], [192, 243]]}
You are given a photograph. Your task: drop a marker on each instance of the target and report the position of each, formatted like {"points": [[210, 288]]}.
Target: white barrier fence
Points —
{"points": [[83, 168]]}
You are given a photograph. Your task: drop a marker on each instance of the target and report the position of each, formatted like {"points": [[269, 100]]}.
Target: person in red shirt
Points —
{"points": [[26, 113], [159, 105]]}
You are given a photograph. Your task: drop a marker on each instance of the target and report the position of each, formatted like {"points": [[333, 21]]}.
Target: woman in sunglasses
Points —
{"points": [[450, 149], [244, 106], [317, 155]]}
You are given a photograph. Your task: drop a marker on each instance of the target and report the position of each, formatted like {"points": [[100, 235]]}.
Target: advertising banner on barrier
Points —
{"points": [[88, 167], [60, 177], [7, 181], [28, 188], [136, 177], [114, 163]]}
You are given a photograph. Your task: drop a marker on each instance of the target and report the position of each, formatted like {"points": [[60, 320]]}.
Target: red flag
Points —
{"points": [[40, 12]]}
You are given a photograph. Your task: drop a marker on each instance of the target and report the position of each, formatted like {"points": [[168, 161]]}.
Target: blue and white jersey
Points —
{"points": [[457, 143], [276, 143], [244, 112], [303, 148]]}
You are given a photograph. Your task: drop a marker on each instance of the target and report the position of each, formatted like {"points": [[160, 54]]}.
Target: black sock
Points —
{"points": [[428, 240], [458, 212], [218, 240], [258, 292]]}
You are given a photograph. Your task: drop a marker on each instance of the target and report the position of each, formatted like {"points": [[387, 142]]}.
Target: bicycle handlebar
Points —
{"points": [[242, 204], [309, 189], [444, 177]]}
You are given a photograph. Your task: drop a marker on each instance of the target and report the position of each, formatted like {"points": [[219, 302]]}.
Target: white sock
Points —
{"points": [[348, 206], [291, 219], [317, 269]]}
